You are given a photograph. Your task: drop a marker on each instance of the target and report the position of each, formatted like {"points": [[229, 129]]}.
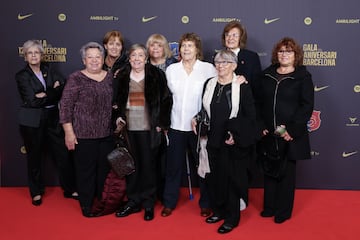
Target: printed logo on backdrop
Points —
{"points": [[314, 153], [320, 88], [352, 122], [307, 21], [224, 19], [348, 154], [174, 47], [103, 18], [185, 19], [148, 19], [315, 56], [21, 16], [270, 20], [357, 88], [51, 53], [314, 122], [347, 21]]}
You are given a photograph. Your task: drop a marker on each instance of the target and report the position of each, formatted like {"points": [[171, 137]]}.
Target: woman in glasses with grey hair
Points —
{"points": [[227, 100], [40, 87]]}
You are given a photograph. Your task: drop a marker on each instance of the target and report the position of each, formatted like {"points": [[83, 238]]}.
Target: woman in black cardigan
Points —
{"points": [[284, 108]]}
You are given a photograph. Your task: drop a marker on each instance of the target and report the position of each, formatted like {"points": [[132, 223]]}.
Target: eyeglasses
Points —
{"points": [[33, 53], [223, 63], [233, 35], [286, 52]]}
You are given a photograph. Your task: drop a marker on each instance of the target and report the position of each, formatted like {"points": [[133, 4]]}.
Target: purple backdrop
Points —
{"points": [[328, 31]]}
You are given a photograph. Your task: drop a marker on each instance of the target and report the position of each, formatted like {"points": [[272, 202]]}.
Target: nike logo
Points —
{"points": [[318, 89], [145, 19], [268, 21], [22, 17], [344, 154]]}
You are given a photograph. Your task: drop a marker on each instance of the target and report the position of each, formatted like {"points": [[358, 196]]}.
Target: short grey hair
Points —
{"points": [[88, 45], [32, 43], [226, 55], [138, 46]]}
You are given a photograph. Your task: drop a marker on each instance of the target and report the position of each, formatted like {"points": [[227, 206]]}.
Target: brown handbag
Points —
{"points": [[120, 158]]}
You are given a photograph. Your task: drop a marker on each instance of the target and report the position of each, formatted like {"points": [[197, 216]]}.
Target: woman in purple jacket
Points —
{"points": [[85, 112]]}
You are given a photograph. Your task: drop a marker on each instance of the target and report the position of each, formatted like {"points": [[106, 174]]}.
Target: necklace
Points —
{"points": [[220, 90]]}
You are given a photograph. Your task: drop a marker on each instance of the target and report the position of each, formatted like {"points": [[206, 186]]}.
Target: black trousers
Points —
{"points": [[181, 142], [47, 139], [92, 167], [228, 181], [279, 193], [141, 185]]}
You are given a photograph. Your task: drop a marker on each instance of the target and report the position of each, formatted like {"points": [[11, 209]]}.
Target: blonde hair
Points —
{"points": [[162, 41]]}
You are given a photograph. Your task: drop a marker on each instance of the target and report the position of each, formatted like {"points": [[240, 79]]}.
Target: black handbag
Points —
{"points": [[120, 159], [202, 123], [272, 152]]}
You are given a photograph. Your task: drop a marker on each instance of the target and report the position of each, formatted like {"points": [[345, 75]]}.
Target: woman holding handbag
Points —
{"points": [[285, 105], [144, 104], [230, 107]]}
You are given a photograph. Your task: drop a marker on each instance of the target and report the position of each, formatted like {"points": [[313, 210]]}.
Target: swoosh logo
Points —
{"points": [[318, 89], [145, 19], [268, 21], [345, 154], [22, 17]]}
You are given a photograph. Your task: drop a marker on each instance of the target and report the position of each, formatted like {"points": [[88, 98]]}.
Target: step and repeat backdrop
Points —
{"points": [[329, 32]]}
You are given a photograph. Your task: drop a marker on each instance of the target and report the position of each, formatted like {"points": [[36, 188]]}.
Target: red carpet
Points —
{"points": [[318, 214]]}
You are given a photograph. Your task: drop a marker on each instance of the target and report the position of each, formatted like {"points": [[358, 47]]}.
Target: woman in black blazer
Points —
{"points": [[40, 89], [234, 38]]}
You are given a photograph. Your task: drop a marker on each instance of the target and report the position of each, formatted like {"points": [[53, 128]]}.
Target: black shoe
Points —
{"points": [[280, 219], [73, 195], [126, 211], [37, 201], [225, 228], [149, 214], [88, 214], [266, 214], [213, 219]]}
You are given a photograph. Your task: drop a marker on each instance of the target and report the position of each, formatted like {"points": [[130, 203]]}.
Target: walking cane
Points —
{"points": [[191, 197]]}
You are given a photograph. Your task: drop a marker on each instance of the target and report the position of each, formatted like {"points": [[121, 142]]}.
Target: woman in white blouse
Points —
{"points": [[185, 80]]}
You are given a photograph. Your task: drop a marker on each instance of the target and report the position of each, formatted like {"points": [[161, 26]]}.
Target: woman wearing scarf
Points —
{"points": [[229, 104]]}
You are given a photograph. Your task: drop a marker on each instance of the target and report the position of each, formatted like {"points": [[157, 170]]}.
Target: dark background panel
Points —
{"points": [[328, 26]]}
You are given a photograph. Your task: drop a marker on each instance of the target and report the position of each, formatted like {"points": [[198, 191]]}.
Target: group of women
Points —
{"points": [[156, 98]]}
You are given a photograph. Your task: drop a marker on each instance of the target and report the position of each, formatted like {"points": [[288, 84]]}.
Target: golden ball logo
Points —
{"points": [[185, 19], [23, 150], [62, 17], [357, 88], [307, 20]]}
